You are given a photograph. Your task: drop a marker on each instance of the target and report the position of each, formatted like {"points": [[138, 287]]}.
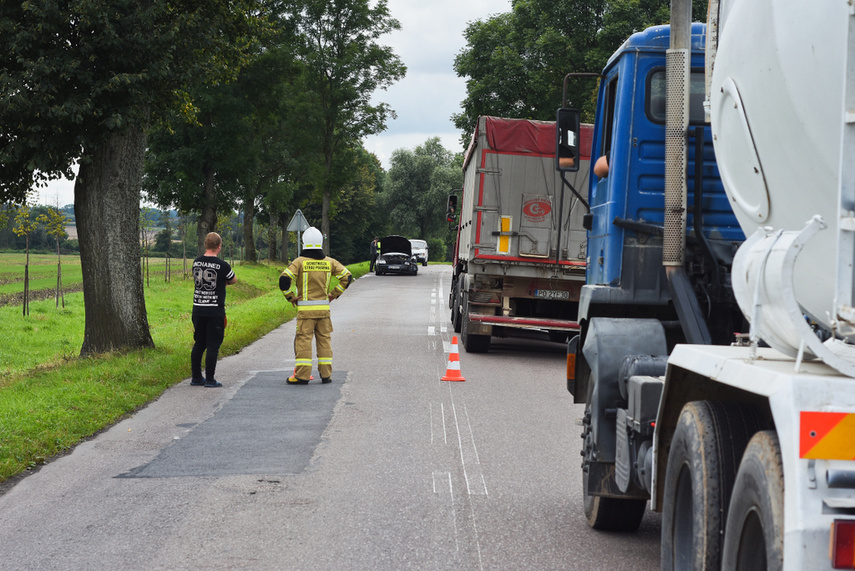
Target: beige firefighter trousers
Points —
{"points": [[321, 329]]}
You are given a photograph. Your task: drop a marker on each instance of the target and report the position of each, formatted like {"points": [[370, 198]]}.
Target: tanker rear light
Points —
{"points": [[842, 545], [571, 366]]}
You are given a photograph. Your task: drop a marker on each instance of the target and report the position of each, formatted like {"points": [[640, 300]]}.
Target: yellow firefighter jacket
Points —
{"points": [[312, 283]]}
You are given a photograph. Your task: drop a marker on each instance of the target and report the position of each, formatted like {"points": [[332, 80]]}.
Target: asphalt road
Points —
{"points": [[387, 467]]}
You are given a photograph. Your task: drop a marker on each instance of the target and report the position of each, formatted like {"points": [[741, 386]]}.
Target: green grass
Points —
{"points": [[50, 399]]}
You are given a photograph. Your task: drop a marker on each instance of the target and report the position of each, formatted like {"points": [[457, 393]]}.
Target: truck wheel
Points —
{"points": [[705, 452], [472, 343], [605, 514], [611, 514], [754, 535], [455, 308]]}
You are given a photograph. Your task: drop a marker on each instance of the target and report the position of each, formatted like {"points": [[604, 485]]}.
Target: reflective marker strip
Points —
{"points": [[827, 435], [504, 241]]}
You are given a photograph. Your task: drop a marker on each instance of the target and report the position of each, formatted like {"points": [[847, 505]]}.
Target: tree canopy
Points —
{"points": [[416, 189], [514, 63], [344, 67], [72, 72]]}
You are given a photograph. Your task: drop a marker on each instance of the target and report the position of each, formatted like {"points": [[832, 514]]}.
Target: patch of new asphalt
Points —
{"points": [[266, 428]]}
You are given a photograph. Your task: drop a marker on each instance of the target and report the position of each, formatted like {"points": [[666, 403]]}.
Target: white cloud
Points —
{"points": [[431, 36], [57, 192], [383, 146]]}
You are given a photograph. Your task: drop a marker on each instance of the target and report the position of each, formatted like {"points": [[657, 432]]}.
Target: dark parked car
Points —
{"points": [[396, 257]]}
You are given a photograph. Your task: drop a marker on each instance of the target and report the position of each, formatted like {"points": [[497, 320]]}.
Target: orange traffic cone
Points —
{"points": [[452, 373]]}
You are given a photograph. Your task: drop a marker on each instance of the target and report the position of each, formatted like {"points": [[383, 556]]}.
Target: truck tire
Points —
{"points": [[754, 536], [472, 343], [705, 451], [454, 306], [602, 513]]}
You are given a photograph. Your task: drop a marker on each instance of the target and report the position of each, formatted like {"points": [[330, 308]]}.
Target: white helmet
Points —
{"points": [[313, 239]]}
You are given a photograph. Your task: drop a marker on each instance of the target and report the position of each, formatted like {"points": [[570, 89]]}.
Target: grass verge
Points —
{"points": [[52, 401]]}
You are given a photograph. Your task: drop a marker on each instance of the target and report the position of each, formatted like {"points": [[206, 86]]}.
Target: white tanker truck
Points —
{"points": [[748, 449]]}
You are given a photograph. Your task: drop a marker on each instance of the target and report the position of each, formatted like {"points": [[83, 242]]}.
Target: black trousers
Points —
{"points": [[207, 336]]}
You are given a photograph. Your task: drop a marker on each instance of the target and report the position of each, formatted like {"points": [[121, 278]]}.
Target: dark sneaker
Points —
{"points": [[326, 380], [296, 381], [198, 382], [213, 385]]}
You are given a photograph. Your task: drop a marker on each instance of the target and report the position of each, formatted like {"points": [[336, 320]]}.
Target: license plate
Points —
{"points": [[394, 267], [551, 294]]}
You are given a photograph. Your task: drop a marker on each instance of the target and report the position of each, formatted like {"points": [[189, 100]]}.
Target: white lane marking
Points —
{"points": [[475, 449], [440, 479], [441, 423], [430, 421], [476, 485], [431, 330]]}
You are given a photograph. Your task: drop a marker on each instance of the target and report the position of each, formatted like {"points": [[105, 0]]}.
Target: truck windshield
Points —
{"points": [[656, 89]]}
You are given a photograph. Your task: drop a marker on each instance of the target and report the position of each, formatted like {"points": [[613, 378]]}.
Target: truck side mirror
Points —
{"points": [[567, 140], [451, 208]]}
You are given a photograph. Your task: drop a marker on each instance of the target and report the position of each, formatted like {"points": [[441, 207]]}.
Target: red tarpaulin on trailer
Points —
{"points": [[527, 137]]}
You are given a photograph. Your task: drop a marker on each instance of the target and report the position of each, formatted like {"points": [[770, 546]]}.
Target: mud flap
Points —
{"points": [[608, 342]]}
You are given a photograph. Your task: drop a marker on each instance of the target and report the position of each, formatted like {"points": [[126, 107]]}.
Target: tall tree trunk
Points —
{"points": [[26, 306], [325, 218], [272, 234], [283, 222], [59, 293], [107, 206], [208, 216], [184, 247], [327, 196], [248, 231]]}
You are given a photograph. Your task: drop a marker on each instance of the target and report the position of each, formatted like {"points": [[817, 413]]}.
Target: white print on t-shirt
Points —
{"points": [[206, 284]]}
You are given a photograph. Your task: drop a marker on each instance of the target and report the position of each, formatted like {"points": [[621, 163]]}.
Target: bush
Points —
{"points": [[436, 249]]}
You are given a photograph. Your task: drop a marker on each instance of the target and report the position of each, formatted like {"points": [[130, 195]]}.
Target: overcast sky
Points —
{"points": [[431, 35]]}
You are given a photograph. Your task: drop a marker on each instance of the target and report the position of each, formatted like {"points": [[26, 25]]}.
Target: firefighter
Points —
{"points": [[307, 283]]}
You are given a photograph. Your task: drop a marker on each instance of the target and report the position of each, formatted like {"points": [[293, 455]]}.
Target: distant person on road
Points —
{"points": [[307, 283], [210, 275], [375, 244]]}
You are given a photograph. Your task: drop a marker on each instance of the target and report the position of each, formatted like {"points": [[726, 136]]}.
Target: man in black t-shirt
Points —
{"points": [[210, 274]]}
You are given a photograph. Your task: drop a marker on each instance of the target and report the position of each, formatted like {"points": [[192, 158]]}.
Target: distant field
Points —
{"points": [[43, 275], [51, 335]]}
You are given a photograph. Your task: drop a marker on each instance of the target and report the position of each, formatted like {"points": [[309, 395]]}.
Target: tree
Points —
{"points": [[344, 66], [146, 227], [239, 147], [80, 82], [193, 165], [55, 221], [417, 187], [24, 226], [356, 214]]}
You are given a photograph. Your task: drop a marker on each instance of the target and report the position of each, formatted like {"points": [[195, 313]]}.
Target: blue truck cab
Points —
{"points": [[627, 206], [625, 276]]}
